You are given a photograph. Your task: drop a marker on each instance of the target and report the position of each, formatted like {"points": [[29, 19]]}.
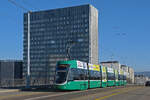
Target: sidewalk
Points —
{"points": [[9, 90]]}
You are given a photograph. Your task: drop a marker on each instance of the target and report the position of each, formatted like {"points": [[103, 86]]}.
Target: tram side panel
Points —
{"points": [[80, 76], [121, 78], [104, 77], [125, 78], [116, 78], [94, 76], [110, 77]]}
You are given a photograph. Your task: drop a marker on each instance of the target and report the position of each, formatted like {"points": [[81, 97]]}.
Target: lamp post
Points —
{"points": [[28, 50], [28, 62]]}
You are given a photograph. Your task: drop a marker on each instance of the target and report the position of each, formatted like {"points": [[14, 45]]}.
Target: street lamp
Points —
{"points": [[28, 67], [28, 51]]}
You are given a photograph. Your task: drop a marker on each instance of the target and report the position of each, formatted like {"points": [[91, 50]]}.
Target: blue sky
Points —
{"points": [[124, 29]]}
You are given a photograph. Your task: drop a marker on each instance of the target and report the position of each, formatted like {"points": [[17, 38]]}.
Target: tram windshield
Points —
{"points": [[61, 73]]}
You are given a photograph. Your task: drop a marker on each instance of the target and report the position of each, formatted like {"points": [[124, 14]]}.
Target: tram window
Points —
{"points": [[91, 75], [120, 77], [111, 76], [94, 75], [70, 78], [104, 76], [61, 77], [82, 74], [100, 75], [75, 74], [97, 75], [116, 76], [124, 77], [82, 77], [79, 74], [86, 74]]}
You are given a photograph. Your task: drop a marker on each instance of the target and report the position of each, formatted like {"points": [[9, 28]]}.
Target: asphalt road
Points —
{"points": [[113, 93]]}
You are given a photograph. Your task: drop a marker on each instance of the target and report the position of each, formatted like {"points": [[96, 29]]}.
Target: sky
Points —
{"points": [[124, 28]]}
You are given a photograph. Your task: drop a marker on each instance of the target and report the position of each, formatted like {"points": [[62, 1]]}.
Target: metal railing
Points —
{"points": [[14, 83]]}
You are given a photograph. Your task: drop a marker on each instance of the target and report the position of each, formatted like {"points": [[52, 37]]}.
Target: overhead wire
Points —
{"points": [[29, 4], [18, 5]]}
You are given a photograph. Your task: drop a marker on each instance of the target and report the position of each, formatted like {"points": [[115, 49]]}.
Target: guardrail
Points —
{"points": [[11, 83]]}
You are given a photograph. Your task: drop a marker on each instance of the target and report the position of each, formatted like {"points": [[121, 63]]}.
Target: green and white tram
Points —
{"points": [[77, 75]]}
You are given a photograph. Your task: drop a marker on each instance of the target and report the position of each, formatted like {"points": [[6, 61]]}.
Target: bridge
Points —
{"points": [[109, 93]]}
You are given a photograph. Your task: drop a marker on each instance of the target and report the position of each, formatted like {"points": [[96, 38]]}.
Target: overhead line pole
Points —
{"points": [[28, 68], [28, 58]]}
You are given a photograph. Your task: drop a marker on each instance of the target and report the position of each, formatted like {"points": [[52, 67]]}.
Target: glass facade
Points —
{"points": [[51, 33]]}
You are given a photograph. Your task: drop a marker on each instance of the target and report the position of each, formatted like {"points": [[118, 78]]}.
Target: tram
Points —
{"points": [[77, 75]]}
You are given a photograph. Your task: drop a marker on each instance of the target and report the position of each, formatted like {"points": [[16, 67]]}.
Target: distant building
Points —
{"points": [[10, 71], [52, 32], [141, 79], [145, 73], [112, 64]]}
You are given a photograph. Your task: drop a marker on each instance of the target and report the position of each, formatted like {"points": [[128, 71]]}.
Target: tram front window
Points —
{"points": [[61, 73]]}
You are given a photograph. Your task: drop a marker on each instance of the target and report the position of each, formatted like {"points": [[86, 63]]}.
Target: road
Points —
{"points": [[112, 93]]}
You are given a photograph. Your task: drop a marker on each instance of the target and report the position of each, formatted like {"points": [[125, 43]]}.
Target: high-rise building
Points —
{"points": [[53, 33]]}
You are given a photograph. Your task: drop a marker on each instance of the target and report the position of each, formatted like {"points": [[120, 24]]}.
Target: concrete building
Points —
{"points": [[10, 71], [112, 64], [52, 32]]}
